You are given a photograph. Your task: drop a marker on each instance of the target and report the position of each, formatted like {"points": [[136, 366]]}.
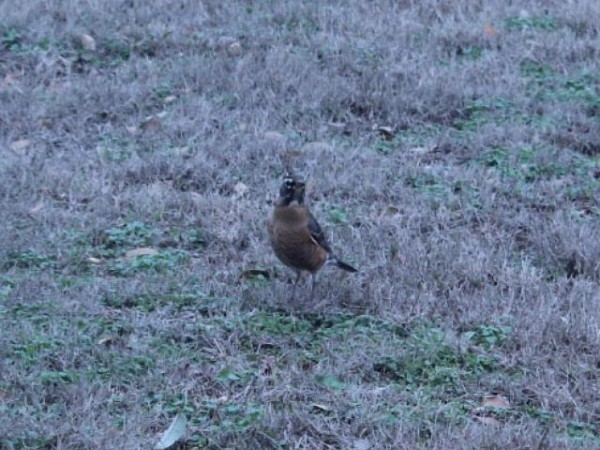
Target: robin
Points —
{"points": [[296, 236]]}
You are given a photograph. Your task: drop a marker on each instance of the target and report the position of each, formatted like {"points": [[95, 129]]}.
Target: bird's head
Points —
{"points": [[292, 190]]}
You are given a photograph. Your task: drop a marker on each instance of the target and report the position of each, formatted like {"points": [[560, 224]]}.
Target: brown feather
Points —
{"points": [[292, 241]]}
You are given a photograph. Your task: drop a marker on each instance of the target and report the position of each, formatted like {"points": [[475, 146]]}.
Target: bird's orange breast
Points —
{"points": [[291, 239]]}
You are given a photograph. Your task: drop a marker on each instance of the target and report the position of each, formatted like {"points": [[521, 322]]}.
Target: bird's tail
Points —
{"points": [[342, 265]]}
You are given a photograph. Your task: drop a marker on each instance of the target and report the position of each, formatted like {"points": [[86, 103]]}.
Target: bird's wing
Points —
{"points": [[316, 233]]}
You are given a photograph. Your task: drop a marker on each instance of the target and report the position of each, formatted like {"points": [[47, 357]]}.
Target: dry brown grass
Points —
{"points": [[474, 224]]}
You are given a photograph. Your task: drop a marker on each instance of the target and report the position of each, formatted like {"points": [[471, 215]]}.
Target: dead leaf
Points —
{"points": [[239, 190], [153, 122], [337, 125], [254, 273], [274, 137], [132, 130], [290, 154], [321, 408], [37, 207], [531, 394], [391, 211], [19, 145], [142, 251], [169, 99], [487, 420], [174, 433], [388, 214], [225, 41], [107, 340], [495, 401], [87, 42], [362, 444], [488, 412], [234, 49], [184, 152], [47, 124], [489, 30], [386, 132]]}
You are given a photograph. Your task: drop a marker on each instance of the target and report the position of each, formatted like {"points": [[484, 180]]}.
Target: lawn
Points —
{"points": [[452, 152]]}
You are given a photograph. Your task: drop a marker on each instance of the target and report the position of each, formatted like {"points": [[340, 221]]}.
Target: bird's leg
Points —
{"points": [[298, 274], [312, 288]]}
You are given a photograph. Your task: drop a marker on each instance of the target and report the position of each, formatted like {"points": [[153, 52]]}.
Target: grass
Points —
{"points": [[452, 154]]}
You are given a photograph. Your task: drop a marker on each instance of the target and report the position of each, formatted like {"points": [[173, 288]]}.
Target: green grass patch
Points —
{"points": [[530, 164], [543, 22], [482, 111], [132, 235], [115, 149], [30, 259], [338, 216], [165, 261], [548, 84], [470, 52], [489, 336], [429, 361], [431, 186], [385, 146], [12, 39], [29, 351]]}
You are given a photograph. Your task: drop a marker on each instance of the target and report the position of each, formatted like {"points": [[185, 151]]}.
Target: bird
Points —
{"points": [[296, 237]]}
